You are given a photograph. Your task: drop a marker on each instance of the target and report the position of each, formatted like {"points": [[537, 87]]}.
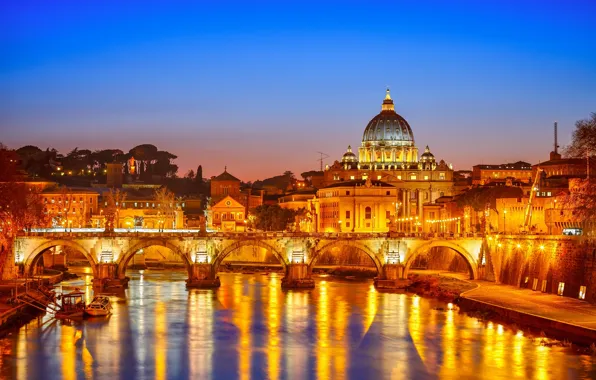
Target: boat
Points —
{"points": [[72, 305], [99, 306]]}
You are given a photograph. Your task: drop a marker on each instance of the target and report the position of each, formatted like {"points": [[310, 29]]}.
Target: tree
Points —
{"points": [[272, 218], [166, 207], [9, 160], [581, 200], [65, 206], [199, 176], [190, 175], [114, 201], [584, 138], [21, 207]]}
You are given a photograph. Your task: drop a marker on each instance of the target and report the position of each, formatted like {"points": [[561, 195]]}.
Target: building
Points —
{"points": [[140, 209], [227, 215], [70, 207], [355, 206], [483, 174], [389, 154], [226, 184]]}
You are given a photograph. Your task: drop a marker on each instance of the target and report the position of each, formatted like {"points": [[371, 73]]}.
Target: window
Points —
{"points": [[388, 192], [224, 216], [347, 214], [378, 177], [442, 176], [582, 292], [387, 214], [347, 193], [413, 177], [367, 213], [364, 176], [347, 224], [352, 177], [399, 177], [217, 216], [561, 288], [426, 178]]}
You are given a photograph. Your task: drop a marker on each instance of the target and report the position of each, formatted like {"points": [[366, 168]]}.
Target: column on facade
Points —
{"points": [[403, 203]]}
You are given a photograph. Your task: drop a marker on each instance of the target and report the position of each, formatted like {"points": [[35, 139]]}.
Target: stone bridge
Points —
{"points": [[203, 253]]}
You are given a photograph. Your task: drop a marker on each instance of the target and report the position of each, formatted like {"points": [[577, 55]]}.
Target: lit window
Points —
{"points": [[441, 176], [378, 177], [399, 177], [426, 178], [352, 177], [413, 177], [582, 292], [561, 288], [135, 204], [364, 176]]}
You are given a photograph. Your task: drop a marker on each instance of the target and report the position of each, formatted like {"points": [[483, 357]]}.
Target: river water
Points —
{"points": [[251, 329]]}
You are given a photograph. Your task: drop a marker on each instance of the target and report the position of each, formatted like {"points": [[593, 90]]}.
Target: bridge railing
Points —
{"points": [[89, 233]]}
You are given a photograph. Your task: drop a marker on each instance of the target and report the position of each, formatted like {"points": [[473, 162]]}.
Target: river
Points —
{"points": [[250, 329]]}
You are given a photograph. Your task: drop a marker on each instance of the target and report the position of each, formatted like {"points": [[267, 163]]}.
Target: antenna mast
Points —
{"points": [[323, 156], [556, 143]]}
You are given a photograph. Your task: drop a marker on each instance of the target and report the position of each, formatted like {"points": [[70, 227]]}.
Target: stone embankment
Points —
{"points": [[559, 317]]}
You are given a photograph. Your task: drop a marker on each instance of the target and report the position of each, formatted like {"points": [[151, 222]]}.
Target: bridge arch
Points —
{"points": [[248, 243], [37, 252], [468, 258], [339, 243], [129, 254]]}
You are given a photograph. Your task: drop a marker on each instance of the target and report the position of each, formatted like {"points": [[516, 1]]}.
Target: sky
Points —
{"points": [[262, 87]]}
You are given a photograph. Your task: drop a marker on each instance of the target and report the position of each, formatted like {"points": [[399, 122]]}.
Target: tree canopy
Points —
{"points": [[272, 218], [584, 138]]}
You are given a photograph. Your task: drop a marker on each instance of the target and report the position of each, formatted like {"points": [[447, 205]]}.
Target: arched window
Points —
{"points": [[367, 213]]}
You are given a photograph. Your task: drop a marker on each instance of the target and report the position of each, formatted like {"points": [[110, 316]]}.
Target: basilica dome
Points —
{"points": [[388, 128]]}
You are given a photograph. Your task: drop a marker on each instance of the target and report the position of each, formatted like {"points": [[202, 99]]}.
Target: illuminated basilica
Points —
{"points": [[388, 154]]}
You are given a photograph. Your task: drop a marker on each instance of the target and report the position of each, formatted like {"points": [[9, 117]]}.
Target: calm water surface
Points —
{"points": [[251, 329]]}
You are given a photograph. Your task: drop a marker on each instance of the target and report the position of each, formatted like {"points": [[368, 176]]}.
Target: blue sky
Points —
{"points": [[263, 86]]}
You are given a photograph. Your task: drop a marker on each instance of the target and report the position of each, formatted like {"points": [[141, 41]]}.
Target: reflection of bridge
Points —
{"points": [[203, 253]]}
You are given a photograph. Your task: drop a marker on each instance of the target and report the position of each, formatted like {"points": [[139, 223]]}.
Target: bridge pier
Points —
{"points": [[202, 276], [297, 277], [391, 278], [107, 278]]}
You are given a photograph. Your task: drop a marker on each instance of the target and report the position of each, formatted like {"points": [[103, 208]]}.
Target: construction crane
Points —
{"points": [[533, 191], [323, 156]]}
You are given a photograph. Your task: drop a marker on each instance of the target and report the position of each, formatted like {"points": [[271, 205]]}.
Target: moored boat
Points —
{"points": [[99, 306], [72, 305]]}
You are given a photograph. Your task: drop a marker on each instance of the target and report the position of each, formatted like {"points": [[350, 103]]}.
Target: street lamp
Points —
{"points": [[504, 221]]}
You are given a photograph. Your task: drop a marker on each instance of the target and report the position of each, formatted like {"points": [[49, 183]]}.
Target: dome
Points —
{"points": [[427, 155], [388, 128], [349, 156]]}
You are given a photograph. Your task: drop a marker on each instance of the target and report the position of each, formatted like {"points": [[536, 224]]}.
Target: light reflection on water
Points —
{"points": [[250, 328]]}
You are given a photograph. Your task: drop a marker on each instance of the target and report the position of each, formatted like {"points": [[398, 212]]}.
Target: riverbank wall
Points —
{"points": [[561, 330], [560, 265]]}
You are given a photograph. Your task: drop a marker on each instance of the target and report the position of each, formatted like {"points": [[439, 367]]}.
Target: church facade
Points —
{"points": [[388, 154]]}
